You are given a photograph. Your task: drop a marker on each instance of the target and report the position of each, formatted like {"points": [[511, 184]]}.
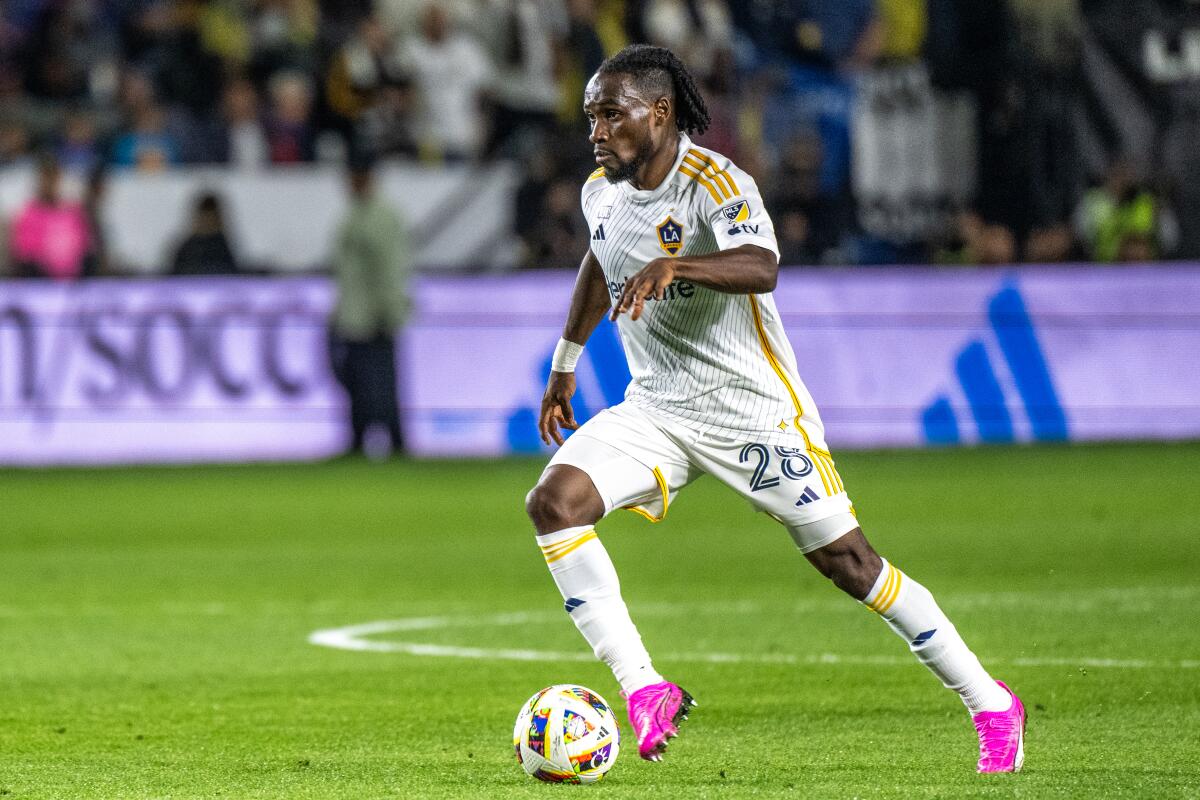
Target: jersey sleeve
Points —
{"points": [[735, 211], [591, 189]]}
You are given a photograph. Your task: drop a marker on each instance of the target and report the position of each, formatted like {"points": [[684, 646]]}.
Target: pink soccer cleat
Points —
{"points": [[655, 712], [1001, 737]]}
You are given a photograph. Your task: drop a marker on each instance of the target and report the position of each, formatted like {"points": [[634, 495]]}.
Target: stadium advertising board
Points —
{"points": [[233, 369], [894, 357], [173, 370]]}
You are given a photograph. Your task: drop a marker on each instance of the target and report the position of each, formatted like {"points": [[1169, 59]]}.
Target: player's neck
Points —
{"points": [[658, 168]]}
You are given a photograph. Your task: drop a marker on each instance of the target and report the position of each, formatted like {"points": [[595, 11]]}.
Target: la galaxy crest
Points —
{"points": [[738, 212], [670, 236]]}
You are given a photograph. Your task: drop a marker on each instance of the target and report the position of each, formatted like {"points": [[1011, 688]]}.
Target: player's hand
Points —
{"points": [[651, 281], [556, 407]]}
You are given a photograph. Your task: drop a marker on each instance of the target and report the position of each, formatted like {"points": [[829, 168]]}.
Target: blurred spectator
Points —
{"points": [[205, 250], [256, 82], [698, 31], [14, 143], [559, 238], [1118, 220], [978, 241], [805, 55], [246, 145], [579, 56], [520, 36], [360, 67], [60, 48], [290, 135], [339, 18], [146, 143], [449, 71], [402, 18], [972, 47], [1180, 174], [723, 98], [95, 261], [386, 127], [50, 236], [809, 225], [187, 75], [902, 29], [371, 267], [1052, 244], [283, 35], [79, 148]]}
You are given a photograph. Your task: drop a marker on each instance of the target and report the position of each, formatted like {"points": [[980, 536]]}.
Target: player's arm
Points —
{"points": [[589, 302], [748, 269]]}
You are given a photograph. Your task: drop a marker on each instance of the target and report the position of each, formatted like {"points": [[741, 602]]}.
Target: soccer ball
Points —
{"points": [[566, 734]]}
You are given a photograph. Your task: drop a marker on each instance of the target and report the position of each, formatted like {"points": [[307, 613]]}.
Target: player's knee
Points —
{"points": [[552, 506], [850, 562]]}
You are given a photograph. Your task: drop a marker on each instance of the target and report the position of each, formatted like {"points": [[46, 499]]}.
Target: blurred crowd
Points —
{"points": [[88, 86]]}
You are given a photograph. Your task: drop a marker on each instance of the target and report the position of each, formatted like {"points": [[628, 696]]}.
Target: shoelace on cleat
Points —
{"points": [[1004, 725]]}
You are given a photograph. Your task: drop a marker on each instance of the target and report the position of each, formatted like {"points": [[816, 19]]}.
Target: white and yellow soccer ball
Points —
{"points": [[566, 734]]}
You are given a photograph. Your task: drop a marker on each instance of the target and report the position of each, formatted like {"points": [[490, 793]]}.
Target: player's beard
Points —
{"points": [[628, 170]]}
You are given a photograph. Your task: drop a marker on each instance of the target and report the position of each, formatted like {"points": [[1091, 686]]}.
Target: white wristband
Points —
{"points": [[566, 355]]}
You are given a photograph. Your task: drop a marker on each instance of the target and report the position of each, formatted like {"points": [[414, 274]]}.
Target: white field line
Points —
{"points": [[1112, 601], [357, 638]]}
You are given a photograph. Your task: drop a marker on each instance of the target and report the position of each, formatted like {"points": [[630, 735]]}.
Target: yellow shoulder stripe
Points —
{"points": [[599, 173], [712, 178], [713, 169], [707, 184]]}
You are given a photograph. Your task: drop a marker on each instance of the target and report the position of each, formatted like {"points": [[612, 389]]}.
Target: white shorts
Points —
{"points": [[639, 460]]}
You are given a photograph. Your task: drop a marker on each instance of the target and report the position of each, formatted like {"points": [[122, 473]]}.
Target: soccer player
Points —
{"points": [[683, 256]]}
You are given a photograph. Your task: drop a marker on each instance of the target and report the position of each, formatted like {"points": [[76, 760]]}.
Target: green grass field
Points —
{"points": [[154, 630]]}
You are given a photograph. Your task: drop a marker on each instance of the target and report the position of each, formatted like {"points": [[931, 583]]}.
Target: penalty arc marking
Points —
{"points": [[359, 638]]}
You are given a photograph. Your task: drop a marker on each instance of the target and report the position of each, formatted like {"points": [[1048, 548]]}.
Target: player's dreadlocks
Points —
{"points": [[656, 70]]}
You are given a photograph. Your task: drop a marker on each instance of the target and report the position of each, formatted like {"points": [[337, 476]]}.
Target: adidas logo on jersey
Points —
{"points": [[807, 497], [598, 236]]}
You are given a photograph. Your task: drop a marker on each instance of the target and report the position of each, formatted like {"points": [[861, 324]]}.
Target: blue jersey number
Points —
{"points": [[793, 464]]}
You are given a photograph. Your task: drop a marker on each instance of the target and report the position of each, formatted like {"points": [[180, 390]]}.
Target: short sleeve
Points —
{"points": [[740, 217]]}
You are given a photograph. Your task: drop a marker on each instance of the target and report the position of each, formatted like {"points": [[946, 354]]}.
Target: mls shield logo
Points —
{"points": [[670, 236], [738, 212]]}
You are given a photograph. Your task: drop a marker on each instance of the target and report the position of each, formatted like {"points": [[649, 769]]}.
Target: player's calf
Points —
{"points": [[850, 562], [911, 612]]}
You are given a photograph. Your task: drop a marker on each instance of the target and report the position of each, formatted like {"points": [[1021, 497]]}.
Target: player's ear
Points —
{"points": [[662, 110]]}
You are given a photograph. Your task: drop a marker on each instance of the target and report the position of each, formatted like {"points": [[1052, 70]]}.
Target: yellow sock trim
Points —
{"points": [[553, 552]]}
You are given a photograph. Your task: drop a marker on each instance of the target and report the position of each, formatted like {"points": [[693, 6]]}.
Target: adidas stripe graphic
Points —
{"points": [[556, 551], [807, 497], [923, 637], [982, 387]]}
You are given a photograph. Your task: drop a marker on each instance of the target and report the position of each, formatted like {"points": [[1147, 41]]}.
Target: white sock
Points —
{"points": [[591, 593], [910, 610]]}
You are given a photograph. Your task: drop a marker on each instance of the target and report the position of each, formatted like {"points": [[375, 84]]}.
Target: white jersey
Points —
{"points": [[718, 363]]}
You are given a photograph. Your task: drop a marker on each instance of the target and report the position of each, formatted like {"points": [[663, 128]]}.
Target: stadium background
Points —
{"points": [[989, 224]]}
